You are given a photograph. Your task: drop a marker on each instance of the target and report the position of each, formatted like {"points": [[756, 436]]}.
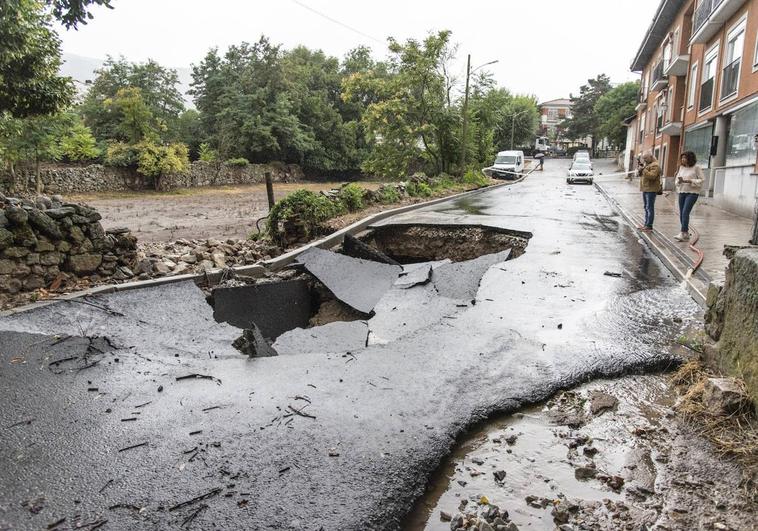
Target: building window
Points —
{"points": [[699, 142], [642, 129], [710, 64], [732, 61], [755, 54], [692, 87], [740, 148], [552, 114]]}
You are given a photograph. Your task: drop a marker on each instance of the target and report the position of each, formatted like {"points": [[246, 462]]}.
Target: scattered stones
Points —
{"points": [[499, 475], [600, 402], [587, 471], [724, 396]]}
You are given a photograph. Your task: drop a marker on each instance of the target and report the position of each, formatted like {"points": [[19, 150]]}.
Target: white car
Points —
{"points": [[580, 171]]}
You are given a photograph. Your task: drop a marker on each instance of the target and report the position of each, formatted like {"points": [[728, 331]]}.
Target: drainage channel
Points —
{"points": [[337, 291]]}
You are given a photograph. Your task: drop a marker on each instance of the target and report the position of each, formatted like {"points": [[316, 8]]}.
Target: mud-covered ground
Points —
{"points": [[612, 454], [214, 212]]}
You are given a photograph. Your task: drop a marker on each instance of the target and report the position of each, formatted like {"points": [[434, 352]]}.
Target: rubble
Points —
{"points": [[724, 396]]}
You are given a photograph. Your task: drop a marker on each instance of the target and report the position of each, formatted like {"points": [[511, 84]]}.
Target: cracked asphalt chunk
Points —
{"points": [[356, 282], [335, 337], [405, 310], [460, 280]]}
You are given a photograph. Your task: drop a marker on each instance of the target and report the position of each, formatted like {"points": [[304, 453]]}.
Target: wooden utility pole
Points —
{"points": [[269, 189]]}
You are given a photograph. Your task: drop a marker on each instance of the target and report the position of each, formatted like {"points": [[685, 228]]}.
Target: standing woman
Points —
{"points": [[650, 185], [689, 183]]}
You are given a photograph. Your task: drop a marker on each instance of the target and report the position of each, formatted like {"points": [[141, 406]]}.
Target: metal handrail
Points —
{"points": [[730, 74], [703, 13], [706, 94]]}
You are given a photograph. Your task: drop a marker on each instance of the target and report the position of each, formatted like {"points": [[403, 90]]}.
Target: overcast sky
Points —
{"points": [[545, 47]]}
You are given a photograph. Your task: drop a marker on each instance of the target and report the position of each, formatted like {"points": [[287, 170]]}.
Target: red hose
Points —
{"points": [[696, 250]]}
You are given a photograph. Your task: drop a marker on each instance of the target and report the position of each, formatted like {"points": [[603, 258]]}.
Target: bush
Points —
{"points": [[121, 154], [475, 178], [309, 208], [238, 162], [207, 154], [79, 144], [387, 193], [351, 196], [418, 189]]}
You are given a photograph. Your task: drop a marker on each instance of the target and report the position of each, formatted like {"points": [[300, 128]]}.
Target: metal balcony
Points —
{"points": [[710, 17], [641, 102], [660, 80]]}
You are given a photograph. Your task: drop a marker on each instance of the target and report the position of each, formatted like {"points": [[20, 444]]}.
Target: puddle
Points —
{"points": [[533, 449], [428, 243]]}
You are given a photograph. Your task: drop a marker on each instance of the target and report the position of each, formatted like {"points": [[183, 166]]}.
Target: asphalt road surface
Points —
{"points": [[100, 428]]}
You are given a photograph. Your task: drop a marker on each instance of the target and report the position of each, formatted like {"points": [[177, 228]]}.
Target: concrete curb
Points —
{"points": [[259, 269], [672, 257]]}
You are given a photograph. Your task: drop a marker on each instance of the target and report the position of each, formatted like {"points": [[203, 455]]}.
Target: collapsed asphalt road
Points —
{"points": [[165, 425]]}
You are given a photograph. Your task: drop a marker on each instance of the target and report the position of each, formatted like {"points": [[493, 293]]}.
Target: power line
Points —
{"points": [[335, 21]]}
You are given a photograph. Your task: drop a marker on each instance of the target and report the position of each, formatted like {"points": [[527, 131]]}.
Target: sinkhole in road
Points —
{"points": [[342, 286], [413, 243]]}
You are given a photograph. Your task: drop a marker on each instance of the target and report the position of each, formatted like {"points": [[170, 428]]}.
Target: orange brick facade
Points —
{"points": [[699, 80]]}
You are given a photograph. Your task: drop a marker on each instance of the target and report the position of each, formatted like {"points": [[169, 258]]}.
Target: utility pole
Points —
{"points": [[464, 143], [465, 117]]}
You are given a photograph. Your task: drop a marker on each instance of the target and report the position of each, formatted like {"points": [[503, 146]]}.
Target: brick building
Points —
{"points": [[699, 92], [552, 114]]}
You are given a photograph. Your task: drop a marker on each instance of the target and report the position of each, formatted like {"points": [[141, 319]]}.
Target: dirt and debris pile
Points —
{"points": [[50, 245]]}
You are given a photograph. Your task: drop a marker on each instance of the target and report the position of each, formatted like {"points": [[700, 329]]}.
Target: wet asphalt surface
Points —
{"points": [[226, 451]]}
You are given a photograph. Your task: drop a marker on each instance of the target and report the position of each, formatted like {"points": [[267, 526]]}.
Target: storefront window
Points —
{"points": [[699, 142], [740, 149]]}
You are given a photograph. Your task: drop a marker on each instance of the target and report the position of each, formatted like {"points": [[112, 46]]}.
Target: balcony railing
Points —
{"points": [[704, 11], [659, 78], [706, 94], [729, 78]]}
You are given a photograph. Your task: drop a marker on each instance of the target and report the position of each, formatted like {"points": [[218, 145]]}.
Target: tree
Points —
{"points": [[39, 140], [189, 130], [158, 91], [410, 118], [78, 144], [613, 107], [156, 161], [584, 121], [71, 13], [132, 118], [30, 57], [246, 106]]}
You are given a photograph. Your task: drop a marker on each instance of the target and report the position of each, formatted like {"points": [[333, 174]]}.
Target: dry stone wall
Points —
{"points": [[47, 243], [77, 179]]}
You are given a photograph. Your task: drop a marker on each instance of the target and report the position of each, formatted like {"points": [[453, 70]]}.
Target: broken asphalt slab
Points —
{"points": [[356, 282], [217, 430], [460, 280]]}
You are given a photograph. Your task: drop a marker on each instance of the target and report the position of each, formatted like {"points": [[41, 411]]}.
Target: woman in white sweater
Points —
{"points": [[689, 182]]}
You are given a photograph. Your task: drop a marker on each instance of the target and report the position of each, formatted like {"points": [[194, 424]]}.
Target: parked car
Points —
{"points": [[580, 171], [508, 164]]}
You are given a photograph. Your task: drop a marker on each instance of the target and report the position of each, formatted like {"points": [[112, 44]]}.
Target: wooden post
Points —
{"points": [[269, 190]]}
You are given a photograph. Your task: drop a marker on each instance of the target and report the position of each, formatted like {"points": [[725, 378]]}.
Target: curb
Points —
{"points": [[259, 269], [672, 257]]}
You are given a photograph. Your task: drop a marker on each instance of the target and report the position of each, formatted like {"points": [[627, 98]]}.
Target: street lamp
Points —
{"points": [[465, 107]]}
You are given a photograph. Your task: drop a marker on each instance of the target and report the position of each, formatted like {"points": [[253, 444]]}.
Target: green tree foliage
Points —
{"points": [[585, 121], [611, 109], [158, 91], [410, 118], [71, 13], [156, 161], [131, 117], [206, 153], [78, 144], [30, 57], [189, 130]]}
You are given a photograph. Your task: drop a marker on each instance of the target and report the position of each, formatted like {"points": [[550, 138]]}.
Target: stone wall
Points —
{"points": [[75, 179], [47, 243], [732, 320]]}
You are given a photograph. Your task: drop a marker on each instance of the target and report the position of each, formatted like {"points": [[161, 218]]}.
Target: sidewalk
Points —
{"points": [[717, 228]]}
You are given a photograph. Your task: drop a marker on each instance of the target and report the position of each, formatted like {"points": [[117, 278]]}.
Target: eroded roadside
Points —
{"points": [[612, 454]]}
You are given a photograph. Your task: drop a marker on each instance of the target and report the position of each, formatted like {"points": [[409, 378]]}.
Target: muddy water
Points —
{"points": [[538, 462]]}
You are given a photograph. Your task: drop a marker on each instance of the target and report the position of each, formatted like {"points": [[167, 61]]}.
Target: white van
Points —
{"points": [[508, 164]]}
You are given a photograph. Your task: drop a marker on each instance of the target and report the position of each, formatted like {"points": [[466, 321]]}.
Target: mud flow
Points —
{"points": [[409, 244], [340, 287]]}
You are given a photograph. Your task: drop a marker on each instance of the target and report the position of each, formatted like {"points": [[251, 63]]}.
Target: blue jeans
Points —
{"points": [[648, 199], [686, 202]]}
